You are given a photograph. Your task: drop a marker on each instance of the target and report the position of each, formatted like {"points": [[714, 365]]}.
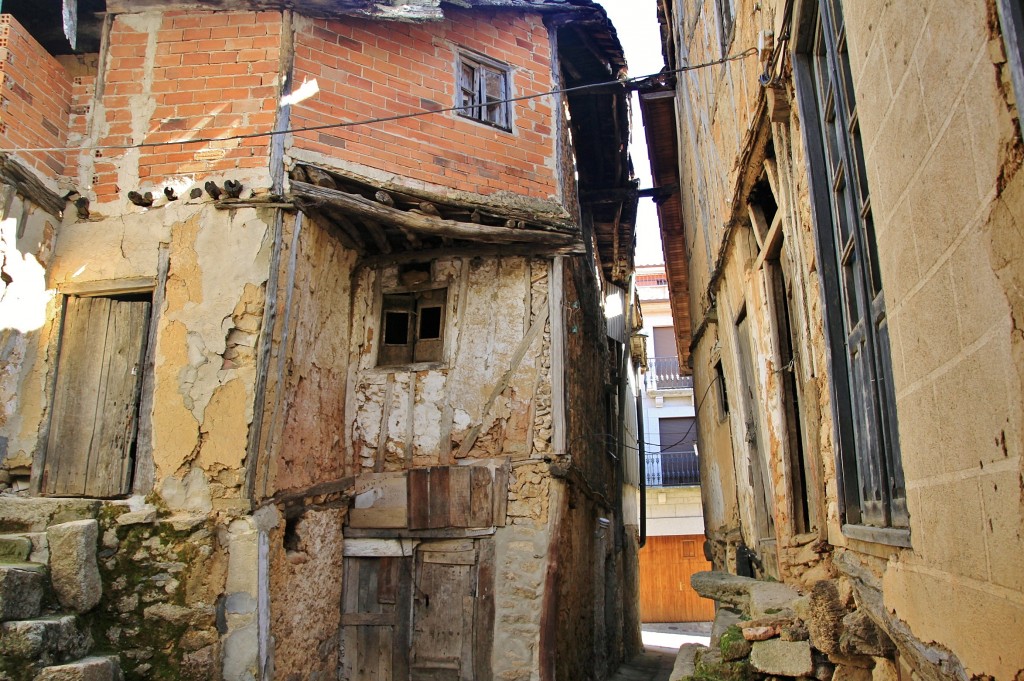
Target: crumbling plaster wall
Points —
{"points": [[304, 440], [27, 240], [433, 407]]}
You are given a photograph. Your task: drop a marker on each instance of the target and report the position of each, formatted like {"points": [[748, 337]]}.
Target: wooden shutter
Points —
{"points": [[95, 407]]}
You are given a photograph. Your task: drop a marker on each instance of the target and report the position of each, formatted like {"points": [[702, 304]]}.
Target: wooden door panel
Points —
{"points": [[666, 564], [95, 405]]}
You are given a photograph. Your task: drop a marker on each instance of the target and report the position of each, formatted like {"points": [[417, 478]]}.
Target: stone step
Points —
{"points": [[42, 642], [14, 548], [35, 514], [21, 590], [86, 669]]}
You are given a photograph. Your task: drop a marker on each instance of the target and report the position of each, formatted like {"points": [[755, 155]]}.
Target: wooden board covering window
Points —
{"points": [[95, 406]]}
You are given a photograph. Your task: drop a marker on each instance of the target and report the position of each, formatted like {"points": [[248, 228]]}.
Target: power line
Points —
{"points": [[636, 80]]}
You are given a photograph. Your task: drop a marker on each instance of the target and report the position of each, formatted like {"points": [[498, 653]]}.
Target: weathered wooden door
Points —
{"points": [[444, 608], [91, 441], [422, 617], [375, 618]]}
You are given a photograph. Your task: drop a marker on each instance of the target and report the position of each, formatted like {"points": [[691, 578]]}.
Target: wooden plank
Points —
{"points": [[382, 437], [402, 636], [367, 599], [76, 401], [556, 312], [419, 223], [113, 440], [384, 517], [419, 496], [438, 503], [459, 493], [483, 628], [500, 494], [481, 504], [387, 580], [449, 557], [368, 619], [377, 548]]}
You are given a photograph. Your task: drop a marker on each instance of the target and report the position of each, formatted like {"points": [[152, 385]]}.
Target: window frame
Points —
{"points": [[872, 490], [412, 301], [476, 108]]}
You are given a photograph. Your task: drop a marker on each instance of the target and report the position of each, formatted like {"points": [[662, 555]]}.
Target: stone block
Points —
{"points": [[752, 596], [146, 514], [782, 658], [35, 514], [733, 644], [21, 591], [845, 672], [724, 618], [48, 640], [14, 549], [86, 669], [686, 662], [73, 569]]}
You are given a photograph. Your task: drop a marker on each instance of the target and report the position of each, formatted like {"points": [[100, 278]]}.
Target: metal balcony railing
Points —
{"points": [[672, 469], [663, 374]]}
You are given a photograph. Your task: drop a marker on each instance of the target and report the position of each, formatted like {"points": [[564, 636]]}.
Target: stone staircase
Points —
{"points": [[48, 579]]}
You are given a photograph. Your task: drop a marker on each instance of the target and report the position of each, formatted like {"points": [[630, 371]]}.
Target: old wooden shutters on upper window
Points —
{"points": [[873, 486], [91, 443], [412, 327], [484, 90]]}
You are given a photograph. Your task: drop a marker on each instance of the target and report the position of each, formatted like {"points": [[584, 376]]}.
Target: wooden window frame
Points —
{"points": [[872, 491], [474, 73], [419, 349]]}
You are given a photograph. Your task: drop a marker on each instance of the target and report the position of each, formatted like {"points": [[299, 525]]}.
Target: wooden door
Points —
{"points": [[666, 564], [427, 617], [376, 596], [444, 609], [96, 398]]}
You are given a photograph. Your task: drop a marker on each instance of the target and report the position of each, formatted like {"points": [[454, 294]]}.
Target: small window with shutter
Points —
{"points": [[412, 327], [484, 91]]}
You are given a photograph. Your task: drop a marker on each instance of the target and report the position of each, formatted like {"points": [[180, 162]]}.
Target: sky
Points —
{"points": [[636, 22]]}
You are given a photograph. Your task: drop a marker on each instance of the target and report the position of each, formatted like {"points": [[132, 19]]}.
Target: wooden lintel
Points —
{"points": [[363, 208]]}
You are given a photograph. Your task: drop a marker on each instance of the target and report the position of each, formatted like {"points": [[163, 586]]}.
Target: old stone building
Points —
{"points": [[848, 225], [315, 356]]}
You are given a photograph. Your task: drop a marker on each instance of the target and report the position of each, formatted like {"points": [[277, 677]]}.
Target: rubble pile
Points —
{"points": [[767, 630]]}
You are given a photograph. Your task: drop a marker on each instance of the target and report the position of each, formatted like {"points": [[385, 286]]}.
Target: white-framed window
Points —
{"points": [[484, 90]]}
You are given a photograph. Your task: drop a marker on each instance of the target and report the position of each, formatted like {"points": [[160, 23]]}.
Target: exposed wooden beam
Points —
{"points": [[355, 205]]}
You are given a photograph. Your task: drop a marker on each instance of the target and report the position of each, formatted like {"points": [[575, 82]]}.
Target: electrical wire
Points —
{"points": [[636, 80]]}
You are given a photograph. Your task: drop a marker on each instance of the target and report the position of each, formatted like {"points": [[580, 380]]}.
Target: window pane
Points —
{"points": [[430, 323], [396, 328]]}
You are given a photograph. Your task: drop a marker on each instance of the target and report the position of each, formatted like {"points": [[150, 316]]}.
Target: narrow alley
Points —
{"points": [[511, 340]]}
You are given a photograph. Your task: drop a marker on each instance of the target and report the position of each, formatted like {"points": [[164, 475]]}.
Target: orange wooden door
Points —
{"points": [[666, 564]]}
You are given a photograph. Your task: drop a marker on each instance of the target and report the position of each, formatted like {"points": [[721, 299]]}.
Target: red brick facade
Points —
{"points": [[368, 69], [36, 98], [189, 75]]}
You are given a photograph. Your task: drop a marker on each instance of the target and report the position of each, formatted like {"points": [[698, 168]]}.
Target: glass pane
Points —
{"points": [[874, 276], [850, 276]]}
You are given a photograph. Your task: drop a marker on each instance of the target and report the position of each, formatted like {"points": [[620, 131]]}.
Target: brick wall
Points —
{"points": [[36, 98], [368, 69], [187, 76]]}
